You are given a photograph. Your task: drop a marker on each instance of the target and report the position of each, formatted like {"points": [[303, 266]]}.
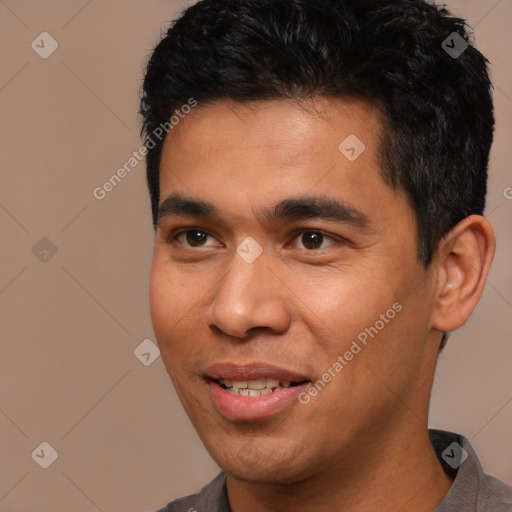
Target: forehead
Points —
{"points": [[243, 156], [285, 130]]}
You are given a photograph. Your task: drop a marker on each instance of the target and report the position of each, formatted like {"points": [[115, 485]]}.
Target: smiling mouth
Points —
{"points": [[256, 387]]}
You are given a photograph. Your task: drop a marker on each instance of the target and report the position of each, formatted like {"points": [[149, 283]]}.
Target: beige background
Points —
{"points": [[70, 324]]}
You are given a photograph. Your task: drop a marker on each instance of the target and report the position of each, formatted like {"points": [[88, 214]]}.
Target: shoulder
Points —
{"points": [[496, 493], [211, 498], [184, 504], [472, 488]]}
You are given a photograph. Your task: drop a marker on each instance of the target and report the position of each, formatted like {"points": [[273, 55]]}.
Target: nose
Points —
{"points": [[248, 297]]}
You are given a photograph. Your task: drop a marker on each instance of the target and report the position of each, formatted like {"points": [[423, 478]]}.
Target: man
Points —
{"points": [[318, 197]]}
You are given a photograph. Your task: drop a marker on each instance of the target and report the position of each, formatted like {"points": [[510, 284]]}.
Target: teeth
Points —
{"points": [[272, 383], [250, 392], [255, 387], [257, 384]]}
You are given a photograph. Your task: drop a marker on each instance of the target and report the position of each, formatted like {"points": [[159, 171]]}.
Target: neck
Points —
{"points": [[397, 475]]}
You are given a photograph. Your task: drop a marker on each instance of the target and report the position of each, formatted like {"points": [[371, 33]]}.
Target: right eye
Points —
{"points": [[190, 237]]}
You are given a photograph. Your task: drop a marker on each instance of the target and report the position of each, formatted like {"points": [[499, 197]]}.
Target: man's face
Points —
{"points": [[260, 299]]}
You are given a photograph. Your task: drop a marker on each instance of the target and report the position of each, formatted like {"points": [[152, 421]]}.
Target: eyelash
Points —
{"points": [[174, 236]]}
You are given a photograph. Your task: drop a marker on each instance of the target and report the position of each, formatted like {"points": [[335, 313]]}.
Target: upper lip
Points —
{"points": [[251, 371]]}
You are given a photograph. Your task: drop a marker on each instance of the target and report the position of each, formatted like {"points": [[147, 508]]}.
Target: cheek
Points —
{"points": [[353, 303], [166, 311], [176, 298], [169, 301], [170, 291], [161, 299], [366, 313]]}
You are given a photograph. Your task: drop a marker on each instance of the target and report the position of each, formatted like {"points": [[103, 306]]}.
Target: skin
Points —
{"points": [[301, 307]]}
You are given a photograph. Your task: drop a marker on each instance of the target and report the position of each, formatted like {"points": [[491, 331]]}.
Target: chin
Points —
{"points": [[261, 473], [262, 462]]}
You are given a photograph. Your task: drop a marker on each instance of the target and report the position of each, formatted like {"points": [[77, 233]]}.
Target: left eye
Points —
{"points": [[311, 239]]}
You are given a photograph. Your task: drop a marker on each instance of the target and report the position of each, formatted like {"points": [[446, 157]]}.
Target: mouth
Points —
{"points": [[254, 391], [256, 387]]}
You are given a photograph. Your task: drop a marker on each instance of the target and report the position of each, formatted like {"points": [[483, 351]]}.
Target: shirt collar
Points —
{"points": [[460, 462]]}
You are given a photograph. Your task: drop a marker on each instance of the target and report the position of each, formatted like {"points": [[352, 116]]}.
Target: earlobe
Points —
{"points": [[464, 259]]}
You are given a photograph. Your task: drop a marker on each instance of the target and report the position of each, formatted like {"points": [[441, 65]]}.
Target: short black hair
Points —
{"points": [[402, 55]]}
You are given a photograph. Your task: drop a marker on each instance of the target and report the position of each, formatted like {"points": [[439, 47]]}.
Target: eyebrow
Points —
{"points": [[301, 208]]}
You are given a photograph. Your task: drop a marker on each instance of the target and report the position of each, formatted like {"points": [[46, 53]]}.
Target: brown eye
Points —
{"points": [[313, 240], [195, 237], [192, 237]]}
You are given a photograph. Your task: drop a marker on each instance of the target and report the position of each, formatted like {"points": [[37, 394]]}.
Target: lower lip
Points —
{"points": [[237, 407]]}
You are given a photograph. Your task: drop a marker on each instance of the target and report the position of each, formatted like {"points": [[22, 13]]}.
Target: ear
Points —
{"points": [[464, 258]]}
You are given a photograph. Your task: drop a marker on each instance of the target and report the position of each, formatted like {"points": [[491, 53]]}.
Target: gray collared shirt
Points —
{"points": [[472, 490]]}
